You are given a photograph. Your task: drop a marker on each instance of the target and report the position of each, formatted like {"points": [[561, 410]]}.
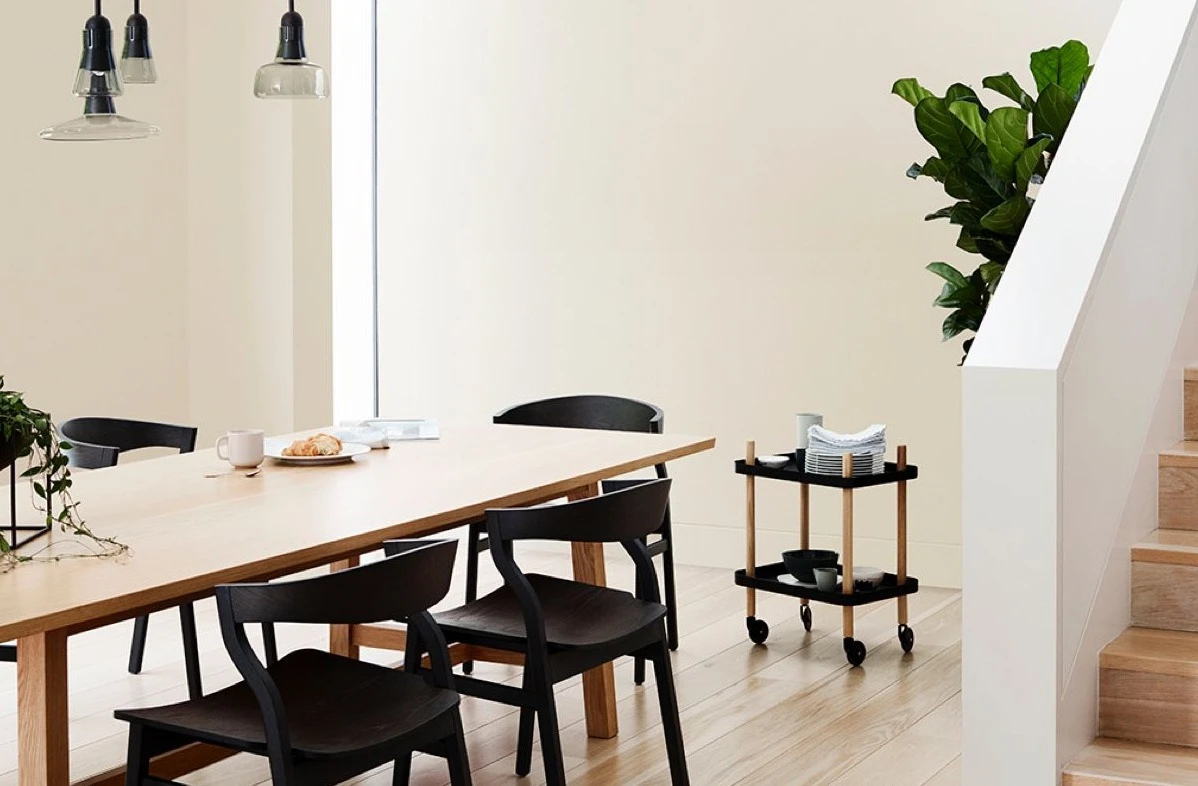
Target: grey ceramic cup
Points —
{"points": [[826, 579]]}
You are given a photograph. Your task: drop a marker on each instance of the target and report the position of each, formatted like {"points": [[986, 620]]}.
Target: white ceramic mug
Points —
{"points": [[803, 422], [246, 449]]}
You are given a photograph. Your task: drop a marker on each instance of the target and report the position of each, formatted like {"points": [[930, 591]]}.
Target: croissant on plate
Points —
{"points": [[316, 445]]}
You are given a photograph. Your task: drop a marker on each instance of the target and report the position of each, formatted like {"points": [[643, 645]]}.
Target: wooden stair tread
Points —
{"points": [[1170, 546], [1183, 454], [1153, 651], [1133, 764]]}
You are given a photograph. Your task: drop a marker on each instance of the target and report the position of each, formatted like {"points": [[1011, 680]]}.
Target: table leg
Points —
{"points": [[599, 684], [340, 642], [43, 753]]}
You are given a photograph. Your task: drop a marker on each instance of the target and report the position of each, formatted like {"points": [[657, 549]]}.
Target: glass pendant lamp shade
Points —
{"points": [[98, 84], [98, 76], [137, 60], [291, 75]]}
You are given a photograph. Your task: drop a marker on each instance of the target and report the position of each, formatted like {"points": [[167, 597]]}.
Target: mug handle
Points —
{"points": [[225, 442]]}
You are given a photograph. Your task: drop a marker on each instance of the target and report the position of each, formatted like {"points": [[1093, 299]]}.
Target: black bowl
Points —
{"points": [[802, 562]]}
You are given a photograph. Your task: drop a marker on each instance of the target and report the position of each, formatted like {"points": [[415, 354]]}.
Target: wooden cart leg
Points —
{"points": [[598, 684], [43, 750], [901, 572], [341, 636], [805, 543], [846, 537], [750, 531]]}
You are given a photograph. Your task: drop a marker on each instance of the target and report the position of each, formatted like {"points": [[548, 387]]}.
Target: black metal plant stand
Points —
{"points": [[10, 532]]}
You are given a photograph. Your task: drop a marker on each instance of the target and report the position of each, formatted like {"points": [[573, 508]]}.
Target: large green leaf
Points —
{"points": [[944, 212], [911, 91], [966, 242], [970, 114], [1065, 66], [1006, 137], [961, 320], [933, 168], [992, 274], [994, 249], [967, 214], [1007, 85], [1009, 217], [952, 140], [1054, 110], [950, 274], [958, 91], [1031, 161]]}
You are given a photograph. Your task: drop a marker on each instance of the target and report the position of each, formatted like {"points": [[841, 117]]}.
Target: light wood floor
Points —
{"points": [[786, 714]]}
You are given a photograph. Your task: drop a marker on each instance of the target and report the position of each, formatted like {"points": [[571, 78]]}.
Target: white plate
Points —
{"points": [[786, 578], [775, 462], [275, 447]]}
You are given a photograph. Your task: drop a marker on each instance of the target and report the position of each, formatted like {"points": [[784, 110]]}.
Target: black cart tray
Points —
{"points": [[766, 579], [794, 472]]}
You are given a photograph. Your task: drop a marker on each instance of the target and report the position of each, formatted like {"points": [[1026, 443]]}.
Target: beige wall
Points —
{"points": [[674, 201], [182, 278]]}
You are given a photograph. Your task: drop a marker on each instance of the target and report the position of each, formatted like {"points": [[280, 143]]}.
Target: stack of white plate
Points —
{"points": [[866, 463]]}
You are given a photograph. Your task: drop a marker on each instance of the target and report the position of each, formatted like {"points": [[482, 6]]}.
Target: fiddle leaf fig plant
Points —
{"points": [[989, 161], [29, 434]]}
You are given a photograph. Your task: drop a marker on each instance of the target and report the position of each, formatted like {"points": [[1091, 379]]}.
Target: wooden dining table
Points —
{"points": [[189, 532]]}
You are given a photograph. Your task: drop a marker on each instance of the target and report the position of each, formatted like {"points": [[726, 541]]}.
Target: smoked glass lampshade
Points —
{"points": [[291, 75], [99, 123], [137, 60]]}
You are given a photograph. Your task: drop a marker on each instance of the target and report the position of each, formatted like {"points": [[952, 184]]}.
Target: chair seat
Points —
{"points": [[335, 706], [576, 615]]}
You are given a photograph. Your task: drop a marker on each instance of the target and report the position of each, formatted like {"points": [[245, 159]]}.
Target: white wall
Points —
{"points": [[673, 200], [182, 278], [92, 273]]}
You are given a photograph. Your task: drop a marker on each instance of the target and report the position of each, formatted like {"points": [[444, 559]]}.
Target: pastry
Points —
{"points": [[314, 446]]}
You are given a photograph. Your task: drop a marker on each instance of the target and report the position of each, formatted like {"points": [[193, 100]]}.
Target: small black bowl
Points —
{"points": [[801, 563]]}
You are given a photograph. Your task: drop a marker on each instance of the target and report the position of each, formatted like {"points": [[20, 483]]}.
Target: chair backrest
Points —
{"points": [[98, 442], [602, 413], [401, 586], [628, 514], [390, 589]]}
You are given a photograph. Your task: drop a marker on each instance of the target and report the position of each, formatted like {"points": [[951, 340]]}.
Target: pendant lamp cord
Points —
{"points": [[137, 6], [98, 11], [290, 5]]}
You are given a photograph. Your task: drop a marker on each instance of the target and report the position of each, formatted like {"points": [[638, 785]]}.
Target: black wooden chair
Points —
{"points": [[322, 718], [96, 443], [604, 413], [562, 627]]}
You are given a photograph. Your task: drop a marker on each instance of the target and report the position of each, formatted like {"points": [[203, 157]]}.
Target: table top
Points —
{"points": [[187, 532]]}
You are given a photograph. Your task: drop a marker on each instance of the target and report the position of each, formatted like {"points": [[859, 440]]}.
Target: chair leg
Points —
{"points": [[137, 765], [551, 740], [638, 670], [403, 770], [664, 675], [471, 578], [667, 559], [528, 719], [191, 651], [456, 756], [137, 649]]}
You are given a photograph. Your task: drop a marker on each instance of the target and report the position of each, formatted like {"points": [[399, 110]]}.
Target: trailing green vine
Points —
{"points": [[31, 434]]}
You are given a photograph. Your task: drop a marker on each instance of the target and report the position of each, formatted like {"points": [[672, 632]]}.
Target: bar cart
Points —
{"points": [[767, 578]]}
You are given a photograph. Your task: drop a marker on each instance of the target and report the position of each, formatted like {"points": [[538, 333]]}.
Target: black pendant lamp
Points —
{"points": [[137, 61], [291, 75], [98, 83]]}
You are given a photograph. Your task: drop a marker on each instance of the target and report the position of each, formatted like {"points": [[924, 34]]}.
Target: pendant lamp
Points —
{"points": [[291, 75], [137, 61], [98, 83]]}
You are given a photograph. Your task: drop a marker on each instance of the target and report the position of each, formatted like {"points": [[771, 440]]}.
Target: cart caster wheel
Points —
{"points": [[758, 630], [906, 637], [855, 651], [805, 616]]}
